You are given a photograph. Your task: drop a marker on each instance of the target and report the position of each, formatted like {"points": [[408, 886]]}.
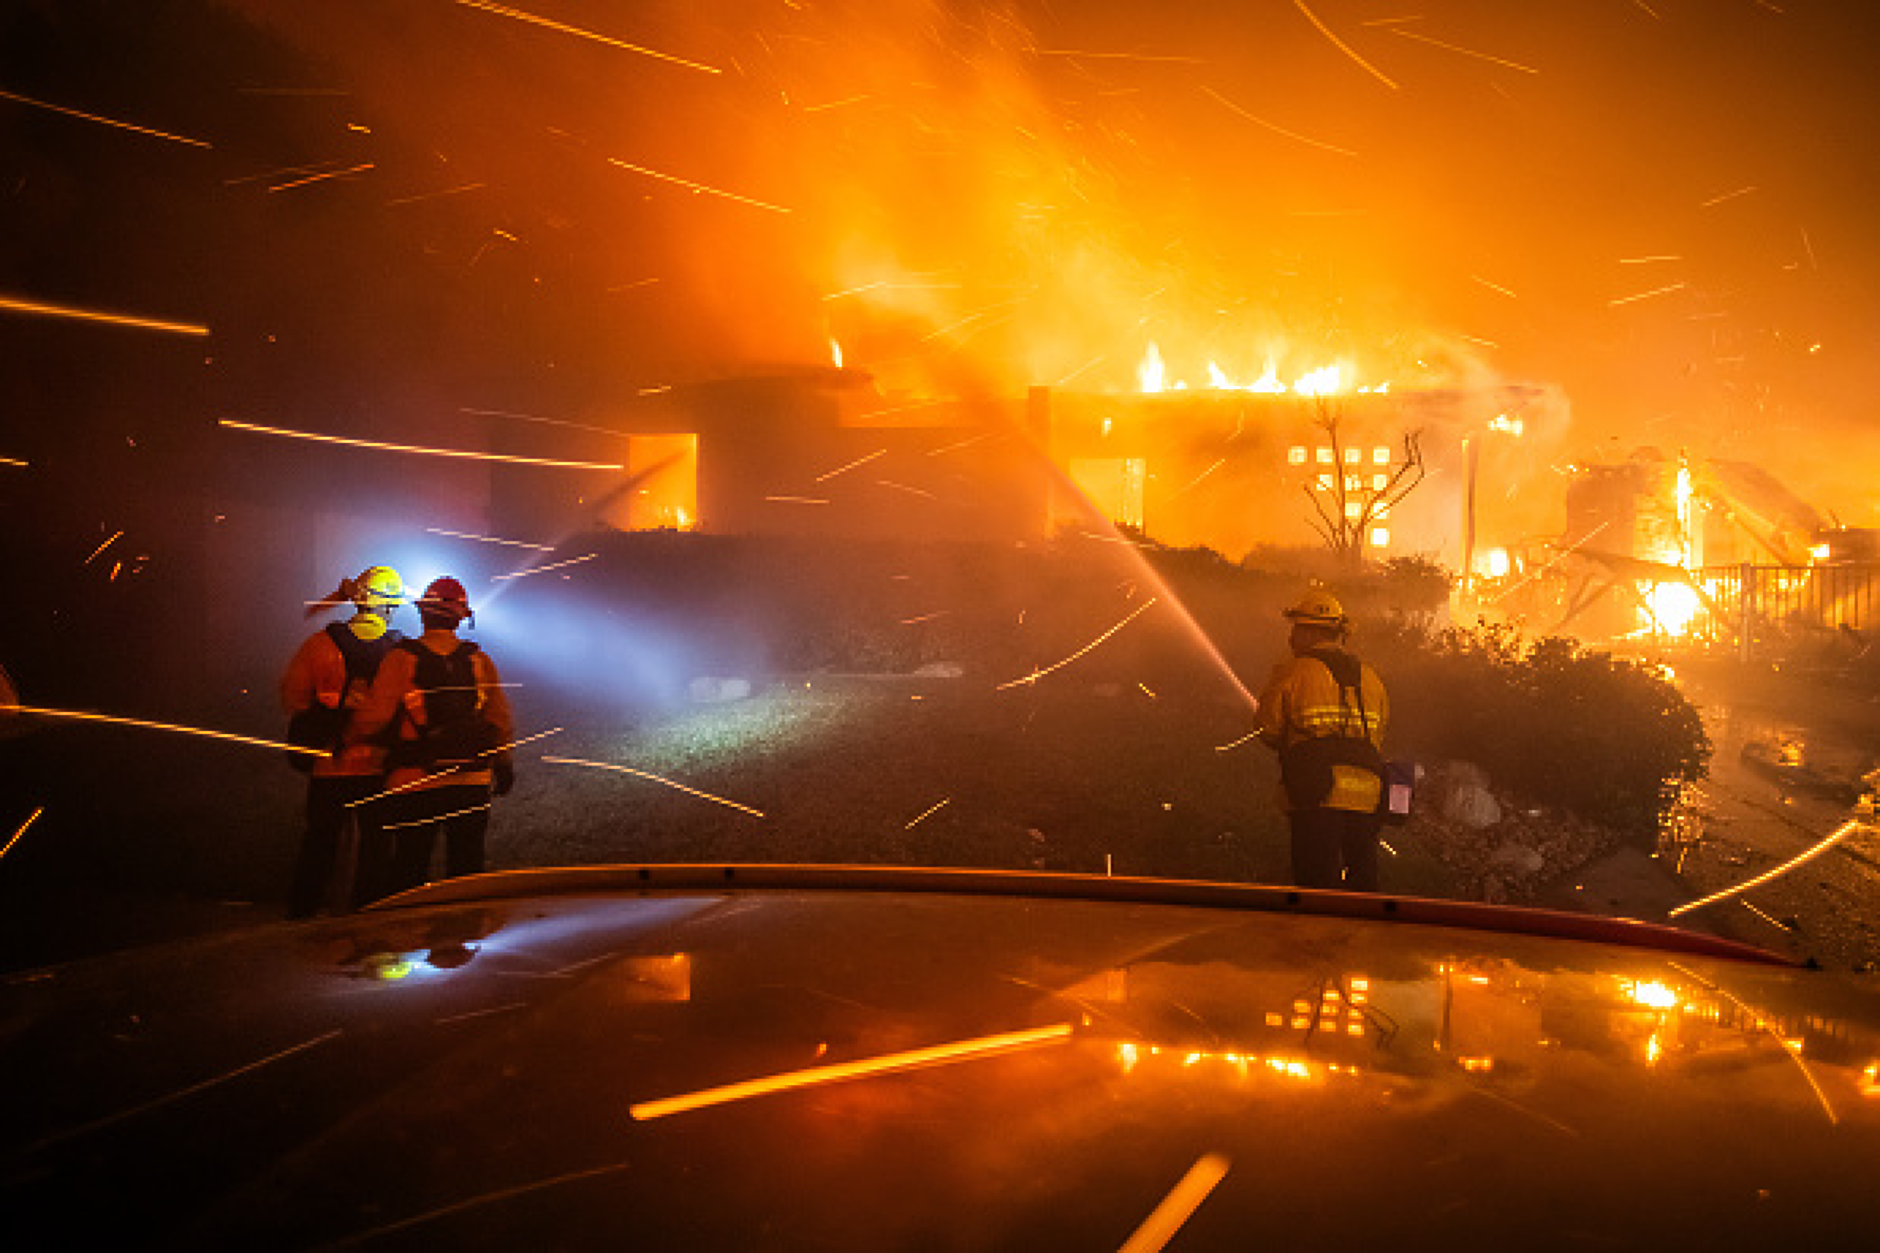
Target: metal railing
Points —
{"points": [[1753, 606]]}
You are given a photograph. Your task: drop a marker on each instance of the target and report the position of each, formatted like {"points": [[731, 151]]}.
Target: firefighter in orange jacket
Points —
{"points": [[331, 671], [1324, 711], [438, 703]]}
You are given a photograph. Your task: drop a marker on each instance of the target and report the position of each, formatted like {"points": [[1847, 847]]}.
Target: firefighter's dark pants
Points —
{"points": [[414, 820], [318, 865], [1328, 841]]}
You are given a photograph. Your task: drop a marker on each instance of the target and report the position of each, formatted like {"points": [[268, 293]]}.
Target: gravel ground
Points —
{"points": [[146, 837]]}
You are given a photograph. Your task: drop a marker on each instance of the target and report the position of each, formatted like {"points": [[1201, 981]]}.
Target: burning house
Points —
{"points": [[821, 452], [1712, 549]]}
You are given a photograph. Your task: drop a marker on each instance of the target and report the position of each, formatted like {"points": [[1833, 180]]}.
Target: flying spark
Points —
{"points": [[969, 319], [917, 404], [1728, 195], [100, 548], [84, 716], [1648, 260], [925, 814], [697, 187], [884, 285], [1467, 52], [1776, 923], [438, 774], [489, 539], [1083, 54], [521, 574], [1340, 45], [14, 461], [1035, 675], [939, 1054], [34, 817], [93, 117], [1494, 287], [834, 104], [1646, 295], [692, 791], [425, 452], [1842, 832], [564, 28], [1196, 481], [1228, 748], [1090, 364], [958, 444], [1178, 1206], [315, 178], [1278, 130], [902, 487], [796, 500], [423, 822], [926, 617], [851, 465], [529, 417], [17, 305]]}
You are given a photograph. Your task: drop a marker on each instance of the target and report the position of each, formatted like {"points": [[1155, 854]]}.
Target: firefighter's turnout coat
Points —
{"points": [[1304, 701], [396, 702], [316, 675]]}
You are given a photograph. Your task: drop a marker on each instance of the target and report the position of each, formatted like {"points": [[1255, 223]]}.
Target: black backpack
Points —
{"points": [[320, 727], [454, 735]]}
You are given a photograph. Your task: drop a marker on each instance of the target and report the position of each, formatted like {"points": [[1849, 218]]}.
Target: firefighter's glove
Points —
{"points": [[502, 776]]}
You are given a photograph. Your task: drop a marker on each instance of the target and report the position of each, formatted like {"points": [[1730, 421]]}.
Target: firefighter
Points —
{"points": [[439, 704], [325, 683], [1324, 712]]}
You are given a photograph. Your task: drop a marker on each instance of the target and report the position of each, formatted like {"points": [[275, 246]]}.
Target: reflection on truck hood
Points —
{"points": [[770, 1057]]}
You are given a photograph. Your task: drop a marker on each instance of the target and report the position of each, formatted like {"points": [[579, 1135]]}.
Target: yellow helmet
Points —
{"points": [[1318, 607], [377, 589]]}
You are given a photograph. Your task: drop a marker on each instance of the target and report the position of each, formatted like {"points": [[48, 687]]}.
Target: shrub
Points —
{"points": [[1602, 737]]}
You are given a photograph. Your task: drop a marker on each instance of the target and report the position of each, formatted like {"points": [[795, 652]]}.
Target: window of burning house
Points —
{"points": [[667, 498], [1296, 455]]}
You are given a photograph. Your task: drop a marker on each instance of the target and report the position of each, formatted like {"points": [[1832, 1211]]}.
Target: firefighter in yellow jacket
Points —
{"points": [[324, 684], [1324, 711]]}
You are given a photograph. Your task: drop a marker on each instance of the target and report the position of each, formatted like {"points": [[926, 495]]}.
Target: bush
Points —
{"points": [[1608, 739]]}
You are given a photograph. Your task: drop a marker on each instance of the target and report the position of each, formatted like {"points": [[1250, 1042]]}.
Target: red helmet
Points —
{"points": [[445, 598]]}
